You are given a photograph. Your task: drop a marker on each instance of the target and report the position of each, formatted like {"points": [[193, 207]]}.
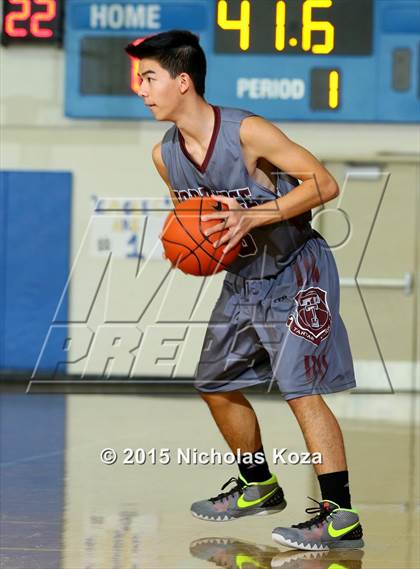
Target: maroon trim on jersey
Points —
{"points": [[298, 275], [315, 271], [316, 367], [311, 269], [212, 144]]}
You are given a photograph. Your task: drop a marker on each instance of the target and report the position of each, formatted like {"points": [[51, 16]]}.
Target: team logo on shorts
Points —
{"points": [[312, 318]]}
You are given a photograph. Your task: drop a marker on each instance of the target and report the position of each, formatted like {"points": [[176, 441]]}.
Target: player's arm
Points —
{"points": [[261, 139], [161, 168]]}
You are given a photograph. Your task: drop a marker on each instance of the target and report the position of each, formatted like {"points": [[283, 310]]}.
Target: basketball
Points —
{"points": [[185, 242]]}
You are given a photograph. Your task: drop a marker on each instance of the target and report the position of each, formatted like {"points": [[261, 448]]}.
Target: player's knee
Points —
{"points": [[305, 401], [215, 399], [208, 397]]}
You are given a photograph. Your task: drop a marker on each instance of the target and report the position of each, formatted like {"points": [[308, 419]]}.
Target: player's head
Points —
{"points": [[172, 66]]}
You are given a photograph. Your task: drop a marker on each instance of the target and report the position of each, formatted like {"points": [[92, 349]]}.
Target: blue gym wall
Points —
{"points": [[35, 215]]}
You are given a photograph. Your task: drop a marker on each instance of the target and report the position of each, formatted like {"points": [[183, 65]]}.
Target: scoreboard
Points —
{"points": [[31, 21], [299, 60]]}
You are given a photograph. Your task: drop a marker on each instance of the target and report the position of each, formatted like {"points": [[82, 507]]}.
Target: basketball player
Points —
{"points": [[277, 318]]}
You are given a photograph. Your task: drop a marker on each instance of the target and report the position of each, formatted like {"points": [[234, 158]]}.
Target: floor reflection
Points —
{"points": [[234, 553], [319, 560]]}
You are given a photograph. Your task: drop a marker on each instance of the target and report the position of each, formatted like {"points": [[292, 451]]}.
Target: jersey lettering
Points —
{"points": [[242, 195]]}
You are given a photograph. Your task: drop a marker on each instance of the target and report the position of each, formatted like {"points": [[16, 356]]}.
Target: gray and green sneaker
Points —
{"points": [[243, 499], [332, 528]]}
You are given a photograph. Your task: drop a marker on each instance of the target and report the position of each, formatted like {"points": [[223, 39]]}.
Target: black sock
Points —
{"points": [[255, 470], [335, 487]]}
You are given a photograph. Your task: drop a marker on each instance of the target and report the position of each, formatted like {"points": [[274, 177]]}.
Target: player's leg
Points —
{"points": [[322, 434], [336, 525], [315, 359], [236, 419], [256, 490], [233, 359]]}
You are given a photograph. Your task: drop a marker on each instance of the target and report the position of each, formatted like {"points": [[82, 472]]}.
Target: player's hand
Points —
{"points": [[238, 221]]}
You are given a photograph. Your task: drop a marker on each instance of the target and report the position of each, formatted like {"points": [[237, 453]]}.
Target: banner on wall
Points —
{"points": [[128, 228]]}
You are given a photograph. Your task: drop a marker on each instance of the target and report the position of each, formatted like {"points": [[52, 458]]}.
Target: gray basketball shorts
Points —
{"points": [[285, 329]]}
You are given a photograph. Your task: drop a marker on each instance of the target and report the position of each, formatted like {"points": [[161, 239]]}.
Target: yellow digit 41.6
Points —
{"points": [[309, 26], [242, 24]]}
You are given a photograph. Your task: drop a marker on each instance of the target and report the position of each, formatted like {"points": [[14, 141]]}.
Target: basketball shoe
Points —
{"points": [[243, 499], [233, 553], [332, 528]]}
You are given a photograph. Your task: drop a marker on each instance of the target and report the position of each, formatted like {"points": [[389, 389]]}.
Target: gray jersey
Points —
{"points": [[265, 250]]}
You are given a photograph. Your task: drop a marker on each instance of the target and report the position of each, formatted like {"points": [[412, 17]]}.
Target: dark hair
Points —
{"points": [[177, 51]]}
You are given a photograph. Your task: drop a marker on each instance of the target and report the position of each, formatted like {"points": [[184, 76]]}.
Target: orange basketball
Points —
{"points": [[185, 243]]}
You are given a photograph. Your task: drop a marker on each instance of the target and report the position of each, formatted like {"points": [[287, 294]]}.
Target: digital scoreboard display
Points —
{"points": [[31, 21], [310, 60], [294, 27]]}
